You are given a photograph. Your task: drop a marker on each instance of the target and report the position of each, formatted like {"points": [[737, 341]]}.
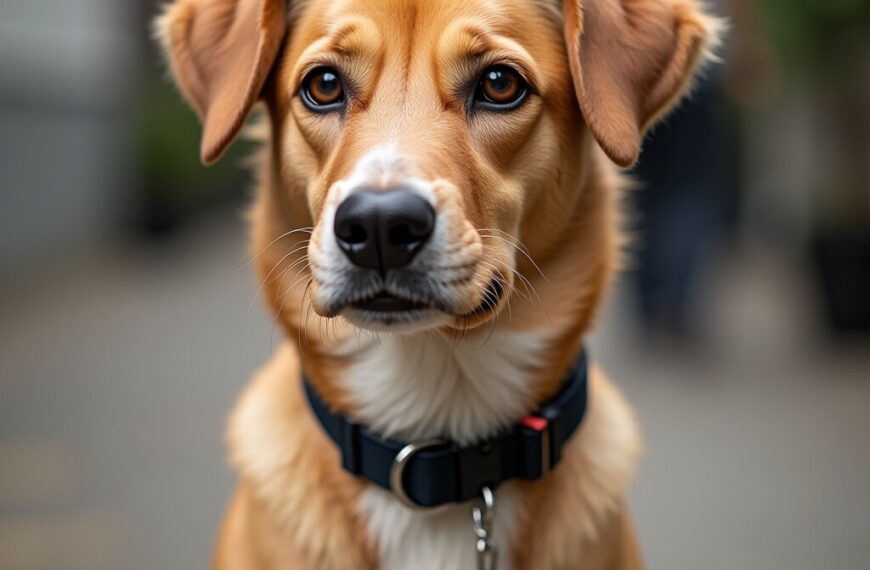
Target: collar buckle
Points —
{"points": [[397, 471], [541, 426]]}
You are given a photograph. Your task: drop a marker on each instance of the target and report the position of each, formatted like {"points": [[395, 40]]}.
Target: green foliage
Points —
{"points": [[167, 133], [810, 32]]}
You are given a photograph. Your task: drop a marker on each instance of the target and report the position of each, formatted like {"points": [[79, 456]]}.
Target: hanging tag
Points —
{"points": [[483, 517]]}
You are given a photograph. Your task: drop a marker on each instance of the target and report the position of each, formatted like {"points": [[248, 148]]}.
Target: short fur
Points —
{"points": [[525, 199]]}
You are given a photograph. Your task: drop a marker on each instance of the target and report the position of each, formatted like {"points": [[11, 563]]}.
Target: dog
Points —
{"points": [[436, 223]]}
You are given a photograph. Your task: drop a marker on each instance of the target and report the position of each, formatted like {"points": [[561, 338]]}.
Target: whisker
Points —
{"points": [[530, 289], [490, 302], [285, 256], [271, 243], [303, 260], [299, 279], [277, 320], [303, 336], [271, 271], [519, 246]]}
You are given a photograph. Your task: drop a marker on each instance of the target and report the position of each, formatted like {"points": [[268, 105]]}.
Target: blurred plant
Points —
{"points": [[808, 31], [825, 50], [175, 184], [825, 46]]}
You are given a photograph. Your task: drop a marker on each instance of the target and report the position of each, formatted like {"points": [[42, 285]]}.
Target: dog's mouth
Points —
{"points": [[385, 302], [388, 309]]}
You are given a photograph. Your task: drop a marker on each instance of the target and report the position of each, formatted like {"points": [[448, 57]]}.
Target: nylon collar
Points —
{"points": [[431, 473]]}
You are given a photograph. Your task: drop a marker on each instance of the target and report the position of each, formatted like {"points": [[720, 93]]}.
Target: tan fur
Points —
{"points": [[535, 175], [310, 509]]}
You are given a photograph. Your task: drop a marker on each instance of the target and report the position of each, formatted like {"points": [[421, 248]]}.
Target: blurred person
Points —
{"points": [[687, 187], [679, 207]]}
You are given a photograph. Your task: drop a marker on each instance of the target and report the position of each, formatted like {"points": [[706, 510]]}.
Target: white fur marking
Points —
{"points": [[426, 385]]}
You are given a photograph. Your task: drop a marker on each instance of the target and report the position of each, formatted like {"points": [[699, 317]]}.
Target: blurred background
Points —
{"points": [[741, 332]]}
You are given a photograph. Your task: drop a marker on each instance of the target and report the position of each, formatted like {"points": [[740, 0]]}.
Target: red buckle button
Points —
{"points": [[535, 423]]}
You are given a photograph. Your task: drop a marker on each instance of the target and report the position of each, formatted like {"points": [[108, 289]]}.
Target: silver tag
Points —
{"points": [[483, 517]]}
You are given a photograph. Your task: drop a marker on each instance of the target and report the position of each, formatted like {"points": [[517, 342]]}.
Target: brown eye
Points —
{"points": [[322, 90], [501, 87]]}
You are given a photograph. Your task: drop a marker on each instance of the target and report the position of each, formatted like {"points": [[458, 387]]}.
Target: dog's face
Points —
{"points": [[431, 140], [420, 130]]}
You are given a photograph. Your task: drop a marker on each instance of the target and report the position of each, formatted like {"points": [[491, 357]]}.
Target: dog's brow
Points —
{"points": [[353, 36], [479, 40], [466, 40], [469, 40], [340, 38]]}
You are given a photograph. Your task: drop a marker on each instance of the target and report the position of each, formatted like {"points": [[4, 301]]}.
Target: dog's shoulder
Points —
{"points": [[580, 516], [292, 484], [239, 542]]}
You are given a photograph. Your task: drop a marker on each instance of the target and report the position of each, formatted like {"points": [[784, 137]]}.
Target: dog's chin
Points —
{"points": [[388, 313], [399, 322]]}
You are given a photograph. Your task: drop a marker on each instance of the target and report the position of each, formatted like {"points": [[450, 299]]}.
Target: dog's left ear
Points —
{"points": [[630, 61], [220, 53]]}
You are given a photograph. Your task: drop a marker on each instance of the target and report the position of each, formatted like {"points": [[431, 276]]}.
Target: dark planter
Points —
{"points": [[843, 265]]}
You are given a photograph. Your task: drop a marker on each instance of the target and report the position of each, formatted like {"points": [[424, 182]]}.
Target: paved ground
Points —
{"points": [[117, 370]]}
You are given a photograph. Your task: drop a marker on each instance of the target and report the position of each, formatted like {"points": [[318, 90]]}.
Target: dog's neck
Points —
{"points": [[424, 385]]}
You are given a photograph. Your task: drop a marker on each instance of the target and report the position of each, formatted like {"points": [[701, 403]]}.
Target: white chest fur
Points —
{"points": [[412, 387], [442, 540]]}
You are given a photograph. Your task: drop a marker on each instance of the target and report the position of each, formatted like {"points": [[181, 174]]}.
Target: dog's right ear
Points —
{"points": [[630, 61], [220, 53]]}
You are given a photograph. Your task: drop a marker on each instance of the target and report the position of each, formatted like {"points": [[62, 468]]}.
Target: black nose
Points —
{"points": [[383, 229]]}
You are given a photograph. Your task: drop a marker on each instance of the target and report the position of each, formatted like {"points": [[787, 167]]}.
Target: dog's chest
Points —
{"points": [[424, 386], [434, 540]]}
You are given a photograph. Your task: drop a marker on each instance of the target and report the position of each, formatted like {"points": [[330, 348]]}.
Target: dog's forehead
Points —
{"points": [[418, 17]]}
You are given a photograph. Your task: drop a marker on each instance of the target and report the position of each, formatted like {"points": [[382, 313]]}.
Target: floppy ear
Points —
{"points": [[220, 53], [630, 61]]}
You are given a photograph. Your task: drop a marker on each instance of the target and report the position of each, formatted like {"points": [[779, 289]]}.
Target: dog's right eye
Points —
{"points": [[322, 90], [500, 88]]}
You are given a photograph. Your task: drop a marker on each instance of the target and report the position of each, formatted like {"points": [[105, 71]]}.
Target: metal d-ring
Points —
{"points": [[397, 471]]}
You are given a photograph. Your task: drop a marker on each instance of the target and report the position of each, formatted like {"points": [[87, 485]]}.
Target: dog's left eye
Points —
{"points": [[322, 90], [500, 87]]}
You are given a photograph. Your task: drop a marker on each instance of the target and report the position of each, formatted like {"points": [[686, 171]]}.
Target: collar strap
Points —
{"points": [[431, 473]]}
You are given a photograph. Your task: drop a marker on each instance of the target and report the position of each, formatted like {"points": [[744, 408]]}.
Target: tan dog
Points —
{"points": [[435, 226]]}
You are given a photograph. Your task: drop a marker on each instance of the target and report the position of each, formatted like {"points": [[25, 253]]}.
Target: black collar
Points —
{"points": [[434, 472]]}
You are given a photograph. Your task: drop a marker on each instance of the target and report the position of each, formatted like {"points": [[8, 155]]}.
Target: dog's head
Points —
{"points": [[425, 138]]}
